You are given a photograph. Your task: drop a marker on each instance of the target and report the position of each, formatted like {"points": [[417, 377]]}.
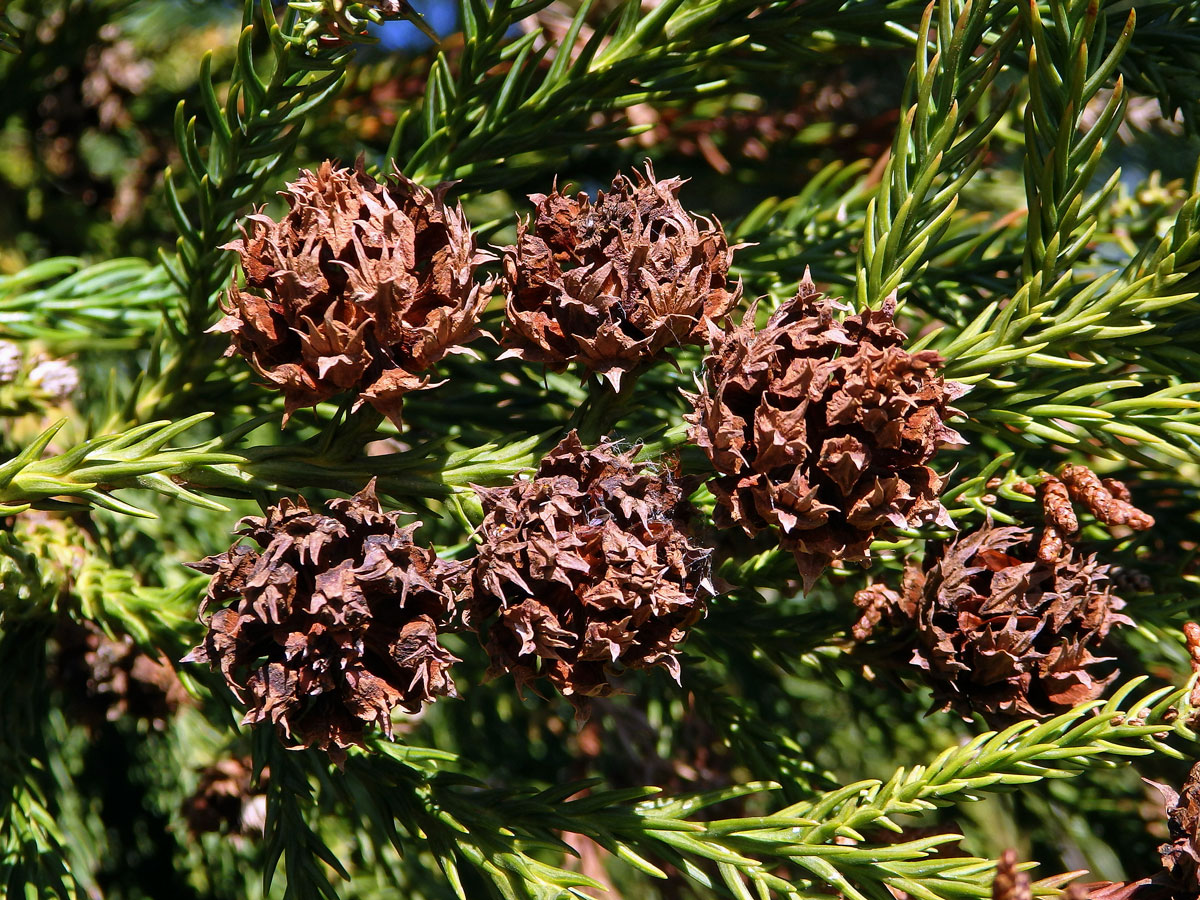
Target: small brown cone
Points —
{"points": [[821, 429], [611, 284], [582, 572], [226, 800], [333, 625], [362, 286], [1179, 878], [1010, 883], [110, 679], [1002, 632]]}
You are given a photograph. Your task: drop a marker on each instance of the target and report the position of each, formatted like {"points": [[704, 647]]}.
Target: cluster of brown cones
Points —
{"points": [[820, 427], [1005, 625], [999, 631], [612, 283], [582, 574], [362, 286], [107, 678], [333, 625]]}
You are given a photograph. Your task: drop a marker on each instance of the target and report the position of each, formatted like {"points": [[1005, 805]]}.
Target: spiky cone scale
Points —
{"points": [[821, 429], [362, 286], [1000, 631], [583, 573], [333, 625], [612, 284]]}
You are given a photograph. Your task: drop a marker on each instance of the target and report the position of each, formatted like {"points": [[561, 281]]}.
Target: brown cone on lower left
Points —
{"points": [[332, 625]]}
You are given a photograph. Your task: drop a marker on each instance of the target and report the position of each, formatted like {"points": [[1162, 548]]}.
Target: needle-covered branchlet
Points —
{"points": [[822, 429], [362, 286], [614, 282], [999, 631], [583, 572], [332, 625]]}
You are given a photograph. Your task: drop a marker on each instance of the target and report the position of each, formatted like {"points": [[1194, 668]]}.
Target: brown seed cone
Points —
{"points": [[821, 429], [226, 800], [109, 679], [362, 286], [582, 572], [333, 625], [1006, 634], [613, 283]]}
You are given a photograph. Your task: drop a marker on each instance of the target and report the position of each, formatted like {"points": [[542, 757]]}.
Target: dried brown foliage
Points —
{"points": [[333, 625], [362, 286], [611, 284], [821, 429], [582, 572], [1000, 631]]}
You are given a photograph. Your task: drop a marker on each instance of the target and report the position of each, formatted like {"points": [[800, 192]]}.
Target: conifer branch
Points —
{"points": [[69, 306], [497, 832], [939, 143], [89, 471]]}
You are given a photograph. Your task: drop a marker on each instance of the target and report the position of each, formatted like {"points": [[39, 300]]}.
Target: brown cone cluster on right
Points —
{"points": [[362, 286], [1001, 632], [822, 429], [1179, 878], [612, 283], [583, 573]]}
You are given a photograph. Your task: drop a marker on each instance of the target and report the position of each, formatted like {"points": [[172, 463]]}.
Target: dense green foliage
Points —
{"points": [[1019, 174]]}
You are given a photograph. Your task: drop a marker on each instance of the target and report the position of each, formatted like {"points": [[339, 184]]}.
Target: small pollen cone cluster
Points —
{"points": [[1107, 499], [582, 572], [614, 282], [821, 429], [1000, 631], [226, 800], [1179, 878], [333, 625], [362, 286]]}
